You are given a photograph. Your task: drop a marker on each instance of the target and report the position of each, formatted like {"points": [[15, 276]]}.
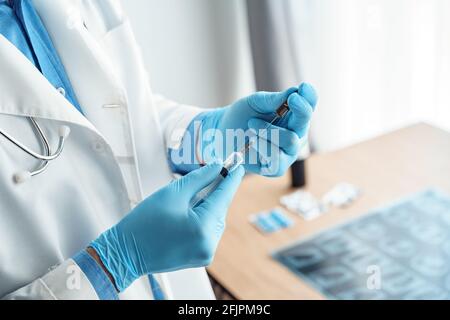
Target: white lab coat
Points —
{"points": [[114, 157]]}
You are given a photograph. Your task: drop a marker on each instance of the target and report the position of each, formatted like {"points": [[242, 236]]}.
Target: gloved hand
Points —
{"points": [[164, 234], [278, 146]]}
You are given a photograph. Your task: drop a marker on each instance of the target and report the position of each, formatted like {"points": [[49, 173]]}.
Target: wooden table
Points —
{"points": [[386, 168]]}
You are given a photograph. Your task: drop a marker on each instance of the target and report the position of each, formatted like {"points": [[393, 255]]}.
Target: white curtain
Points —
{"points": [[377, 64]]}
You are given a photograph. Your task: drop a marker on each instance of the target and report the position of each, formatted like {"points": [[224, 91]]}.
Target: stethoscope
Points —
{"points": [[24, 176]]}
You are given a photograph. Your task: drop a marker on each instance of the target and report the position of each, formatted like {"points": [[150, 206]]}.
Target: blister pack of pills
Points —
{"points": [[271, 221], [309, 207], [304, 204]]}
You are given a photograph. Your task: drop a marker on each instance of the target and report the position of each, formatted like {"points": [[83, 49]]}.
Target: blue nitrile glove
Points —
{"points": [[277, 149], [164, 234]]}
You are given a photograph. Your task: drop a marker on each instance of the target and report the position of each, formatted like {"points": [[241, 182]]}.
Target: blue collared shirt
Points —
{"points": [[22, 26]]}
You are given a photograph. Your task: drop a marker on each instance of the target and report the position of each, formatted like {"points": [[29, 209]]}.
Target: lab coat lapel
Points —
{"points": [[90, 70], [24, 91], [88, 67]]}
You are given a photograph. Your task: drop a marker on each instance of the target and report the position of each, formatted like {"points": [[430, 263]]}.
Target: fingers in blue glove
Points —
{"points": [[273, 165], [269, 102], [197, 180], [287, 140], [308, 92], [300, 115], [221, 197]]}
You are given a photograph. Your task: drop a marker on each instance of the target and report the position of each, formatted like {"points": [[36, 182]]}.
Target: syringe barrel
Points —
{"points": [[232, 163], [204, 193]]}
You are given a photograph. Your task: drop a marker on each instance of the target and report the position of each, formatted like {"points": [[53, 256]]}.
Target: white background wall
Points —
{"points": [[197, 51]]}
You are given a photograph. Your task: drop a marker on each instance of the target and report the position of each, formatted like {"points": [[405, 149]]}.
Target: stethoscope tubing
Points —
{"points": [[48, 151], [48, 156]]}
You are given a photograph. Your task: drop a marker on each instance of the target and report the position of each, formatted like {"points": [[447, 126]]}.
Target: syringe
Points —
{"points": [[236, 159]]}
